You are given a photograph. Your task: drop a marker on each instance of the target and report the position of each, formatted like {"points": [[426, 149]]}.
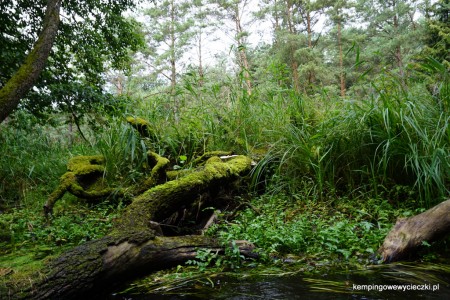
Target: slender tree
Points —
{"points": [[233, 10], [338, 14], [204, 25], [54, 62], [169, 32]]}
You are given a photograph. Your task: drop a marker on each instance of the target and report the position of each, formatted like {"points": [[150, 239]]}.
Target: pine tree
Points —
{"points": [[169, 33], [437, 35], [394, 35], [233, 10]]}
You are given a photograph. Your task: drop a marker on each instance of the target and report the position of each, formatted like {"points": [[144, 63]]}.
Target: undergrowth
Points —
{"points": [[341, 229]]}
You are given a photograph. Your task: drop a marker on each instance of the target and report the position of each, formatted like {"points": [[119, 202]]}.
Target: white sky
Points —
{"points": [[219, 43]]}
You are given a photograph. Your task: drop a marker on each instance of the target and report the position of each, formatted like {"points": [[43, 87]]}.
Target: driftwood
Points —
{"points": [[91, 270], [408, 234]]}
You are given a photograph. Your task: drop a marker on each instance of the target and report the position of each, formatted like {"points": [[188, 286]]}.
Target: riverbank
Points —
{"points": [[296, 233]]}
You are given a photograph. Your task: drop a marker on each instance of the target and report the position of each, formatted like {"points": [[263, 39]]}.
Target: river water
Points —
{"points": [[393, 281]]}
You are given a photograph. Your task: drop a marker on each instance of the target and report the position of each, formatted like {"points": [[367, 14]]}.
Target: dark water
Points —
{"points": [[432, 279]]}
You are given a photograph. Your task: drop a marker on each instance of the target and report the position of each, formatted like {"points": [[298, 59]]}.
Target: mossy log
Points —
{"points": [[156, 176], [93, 269], [133, 249], [85, 179], [142, 126], [159, 202], [409, 234]]}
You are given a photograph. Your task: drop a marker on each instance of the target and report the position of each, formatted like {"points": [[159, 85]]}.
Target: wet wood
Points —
{"points": [[408, 234], [90, 270]]}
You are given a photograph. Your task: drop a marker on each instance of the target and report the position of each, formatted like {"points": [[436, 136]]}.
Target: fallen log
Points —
{"points": [[91, 269], [85, 179], [408, 234], [132, 249], [159, 202]]}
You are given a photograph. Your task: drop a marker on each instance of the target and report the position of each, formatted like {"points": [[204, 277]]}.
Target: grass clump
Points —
{"points": [[395, 139]]}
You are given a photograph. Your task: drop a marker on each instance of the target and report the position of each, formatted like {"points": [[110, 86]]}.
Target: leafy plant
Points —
{"points": [[230, 259], [310, 229]]}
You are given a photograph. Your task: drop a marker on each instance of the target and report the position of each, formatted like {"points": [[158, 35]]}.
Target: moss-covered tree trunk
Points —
{"points": [[159, 202], [408, 234], [91, 270], [132, 248], [22, 81]]}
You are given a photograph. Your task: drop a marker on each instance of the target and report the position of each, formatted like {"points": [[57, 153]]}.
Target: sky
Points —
{"points": [[219, 43]]}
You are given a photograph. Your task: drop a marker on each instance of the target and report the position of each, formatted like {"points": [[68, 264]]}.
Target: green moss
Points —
{"points": [[167, 197], [83, 165], [176, 174], [83, 179], [213, 159], [19, 84], [157, 175], [208, 155], [142, 126]]}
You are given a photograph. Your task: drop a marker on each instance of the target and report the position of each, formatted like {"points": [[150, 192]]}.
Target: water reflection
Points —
{"points": [[373, 283]]}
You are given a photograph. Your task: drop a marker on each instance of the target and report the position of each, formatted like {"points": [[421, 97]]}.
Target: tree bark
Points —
{"points": [[341, 59], [243, 60], [132, 248], [24, 79], [160, 202], [96, 267], [408, 234]]}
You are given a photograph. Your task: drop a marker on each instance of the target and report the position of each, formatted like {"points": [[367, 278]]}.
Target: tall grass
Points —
{"points": [[125, 152], [396, 140], [32, 158]]}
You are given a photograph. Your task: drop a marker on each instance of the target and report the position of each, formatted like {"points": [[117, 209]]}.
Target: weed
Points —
{"points": [[312, 229]]}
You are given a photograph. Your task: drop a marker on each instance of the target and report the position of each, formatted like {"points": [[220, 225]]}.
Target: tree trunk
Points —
{"points": [[132, 249], [409, 234], [24, 79], [295, 76], [201, 72], [245, 67], [292, 48], [309, 29], [159, 203], [398, 50], [341, 60], [90, 270]]}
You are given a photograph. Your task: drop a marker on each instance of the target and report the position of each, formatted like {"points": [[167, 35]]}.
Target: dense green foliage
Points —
{"points": [[334, 166], [309, 229], [93, 36]]}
